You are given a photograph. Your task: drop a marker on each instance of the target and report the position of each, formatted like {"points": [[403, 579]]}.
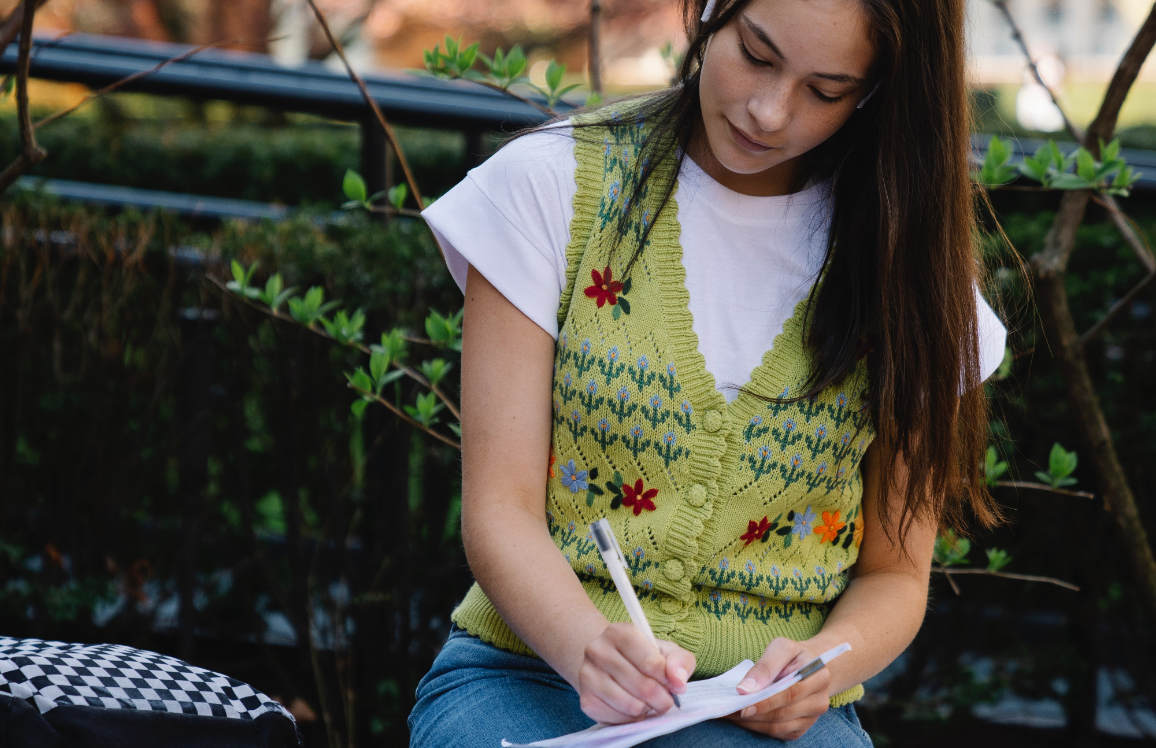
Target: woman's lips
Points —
{"points": [[746, 143]]}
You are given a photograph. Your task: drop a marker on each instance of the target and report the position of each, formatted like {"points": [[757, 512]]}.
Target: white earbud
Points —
{"points": [[707, 10], [868, 96]]}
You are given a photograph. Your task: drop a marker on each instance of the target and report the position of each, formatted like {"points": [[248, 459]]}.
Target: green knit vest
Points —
{"points": [[739, 521]]}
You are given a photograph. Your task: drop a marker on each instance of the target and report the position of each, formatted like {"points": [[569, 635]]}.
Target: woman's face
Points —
{"points": [[780, 78]]}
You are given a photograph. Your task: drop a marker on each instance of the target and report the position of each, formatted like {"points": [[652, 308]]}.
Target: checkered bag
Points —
{"points": [[113, 676]]}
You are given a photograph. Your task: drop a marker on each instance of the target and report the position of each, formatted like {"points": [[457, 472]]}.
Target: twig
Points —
{"points": [[137, 76], [1130, 230], [1043, 487], [369, 100], [314, 656], [954, 586], [1019, 38], [409, 371], [1006, 575], [595, 54], [30, 153], [12, 24], [511, 94], [1118, 307]]}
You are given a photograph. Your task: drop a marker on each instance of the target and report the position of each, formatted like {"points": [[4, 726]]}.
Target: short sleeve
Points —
{"points": [[510, 219], [992, 337]]}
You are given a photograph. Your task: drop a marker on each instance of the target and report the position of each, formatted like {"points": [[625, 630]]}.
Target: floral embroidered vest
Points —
{"points": [[739, 521]]}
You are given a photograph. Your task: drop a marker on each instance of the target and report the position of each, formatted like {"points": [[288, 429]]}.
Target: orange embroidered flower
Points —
{"points": [[551, 468], [830, 528], [857, 533], [755, 530], [605, 287]]}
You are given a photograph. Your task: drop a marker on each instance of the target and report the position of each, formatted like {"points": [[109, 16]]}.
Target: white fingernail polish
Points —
{"points": [[747, 685]]}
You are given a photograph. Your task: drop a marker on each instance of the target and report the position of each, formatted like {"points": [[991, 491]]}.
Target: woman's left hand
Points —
{"points": [[786, 715]]}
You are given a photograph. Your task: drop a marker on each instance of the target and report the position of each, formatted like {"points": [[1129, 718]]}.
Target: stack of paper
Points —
{"points": [[703, 700]]}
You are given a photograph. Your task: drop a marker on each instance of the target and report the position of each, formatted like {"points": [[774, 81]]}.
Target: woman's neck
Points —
{"points": [[781, 179]]}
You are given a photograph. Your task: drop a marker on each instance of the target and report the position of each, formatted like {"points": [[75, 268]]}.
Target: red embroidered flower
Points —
{"points": [[634, 496], [604, 288], [755, 531]]}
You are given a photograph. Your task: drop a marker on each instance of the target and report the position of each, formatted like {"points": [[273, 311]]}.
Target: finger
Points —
{"points": [[602, 695], [812, 706], [679, 665], [614, 663], [812, 691], [638, 650], [778, 654]]}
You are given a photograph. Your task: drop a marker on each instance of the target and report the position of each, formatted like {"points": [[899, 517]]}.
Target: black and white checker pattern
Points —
{"points": [[113, 676]]}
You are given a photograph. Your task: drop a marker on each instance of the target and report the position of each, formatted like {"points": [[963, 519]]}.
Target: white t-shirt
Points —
{"points": [[749, 260]]}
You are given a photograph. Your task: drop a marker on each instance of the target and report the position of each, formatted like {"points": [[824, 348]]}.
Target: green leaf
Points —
{"points": [[467, 56], [354, 186], [997, 558], [435, 370], [359, 380], [951, 549], [1070, 182], [456, 428], [378, 365], [1061, 463], [554, 72], [515, 62], [593, 99], [1085, 165], [624, 304], [358, 407], [993, 468], [617, 313], [397, 195], [627, 285], [239, 274], [9, 86], [1111, 151]]}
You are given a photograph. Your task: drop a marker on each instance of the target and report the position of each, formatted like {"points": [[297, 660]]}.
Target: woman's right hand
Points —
{"points": [[624, 678]]}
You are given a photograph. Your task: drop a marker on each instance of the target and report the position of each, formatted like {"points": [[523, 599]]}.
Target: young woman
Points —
{"points": [[739, 319]]}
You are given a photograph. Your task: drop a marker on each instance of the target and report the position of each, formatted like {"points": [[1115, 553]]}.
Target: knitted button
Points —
{"points": [[670, 606], [696, 495], [673, 569], [712, 420]]}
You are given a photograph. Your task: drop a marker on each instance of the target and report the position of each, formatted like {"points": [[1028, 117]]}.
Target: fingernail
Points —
{"points": [[747, 685], [682, 674], [748, 711]]}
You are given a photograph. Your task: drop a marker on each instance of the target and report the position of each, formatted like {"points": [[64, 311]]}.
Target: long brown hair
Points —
{"points": [[900, 266]]}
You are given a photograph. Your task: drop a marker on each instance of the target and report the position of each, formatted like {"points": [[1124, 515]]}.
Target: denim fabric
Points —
{"points": [[476, 694]]}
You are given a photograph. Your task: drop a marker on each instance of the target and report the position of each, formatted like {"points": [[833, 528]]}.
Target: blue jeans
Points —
{"points": [[476, 694]]}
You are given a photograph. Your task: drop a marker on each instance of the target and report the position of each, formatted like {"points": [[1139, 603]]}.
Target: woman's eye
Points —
{"points": [[827, 99], [751, 58]]}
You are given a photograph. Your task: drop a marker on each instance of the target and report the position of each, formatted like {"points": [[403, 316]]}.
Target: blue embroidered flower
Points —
{"points": [[570, 526], [636, 431], [639, 553], [606, 150], [821, 432], [803, 522], [756, 420], [786, 392], [743, 599], [614, 191], [592, 387], [567, 380], [564, 340], [839, 473], [846, 438], [775, 572], [643, 363], [576, 416], [574, 479], [686, 407], [586, 345], [724, 564], [789, 424], [670, 368], [841, 400], [715, 596], [589, 568], [655, 402], [612, 354], [623, 394], [603, 425], [796, 461], [764, 452], [750, 565], [645, 218], [669, 438], [762, 602], [797, 574], [821, 469], [820, 571], [647, 584]]}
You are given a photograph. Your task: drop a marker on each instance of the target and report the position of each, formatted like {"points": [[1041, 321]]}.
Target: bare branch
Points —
{"points": [[30, 153], [594, 63], [1019, 38], [1031, 486], [389, 133], [1104, 125], [1006, 575], [11, 25], [1118, 307], [1130, 231]]}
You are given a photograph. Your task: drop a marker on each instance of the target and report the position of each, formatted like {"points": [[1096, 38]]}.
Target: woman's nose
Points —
{"points": [[771, 108]]}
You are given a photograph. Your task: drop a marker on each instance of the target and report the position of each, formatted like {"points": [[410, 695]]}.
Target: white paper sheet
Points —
{"points": [[703, 700]]}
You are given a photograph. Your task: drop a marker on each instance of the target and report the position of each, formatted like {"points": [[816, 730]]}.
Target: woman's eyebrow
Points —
{"points": [[765, 38]]}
